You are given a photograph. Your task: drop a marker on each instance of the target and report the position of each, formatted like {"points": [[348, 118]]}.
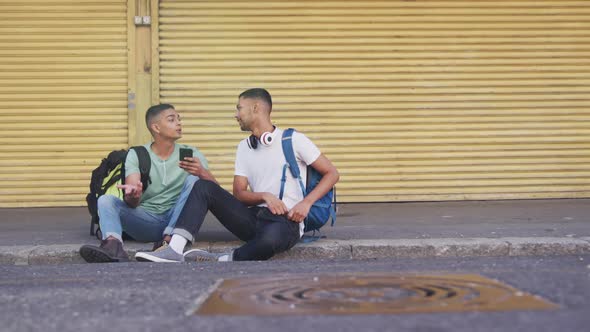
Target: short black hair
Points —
{"points": [[257, 93], [154, 111]]}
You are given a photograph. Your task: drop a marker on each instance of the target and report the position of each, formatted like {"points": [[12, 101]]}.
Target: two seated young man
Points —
{"points": [[254, 213]]}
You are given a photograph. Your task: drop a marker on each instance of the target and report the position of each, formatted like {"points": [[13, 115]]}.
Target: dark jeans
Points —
{"points": [[265, 234]]}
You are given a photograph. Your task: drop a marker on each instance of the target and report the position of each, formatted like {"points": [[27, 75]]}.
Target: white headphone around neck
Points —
{"points": [[265, 139]]}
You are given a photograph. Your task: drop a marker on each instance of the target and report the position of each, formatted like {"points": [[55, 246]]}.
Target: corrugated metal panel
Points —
{"points": [[63, 91], [412, 100]]}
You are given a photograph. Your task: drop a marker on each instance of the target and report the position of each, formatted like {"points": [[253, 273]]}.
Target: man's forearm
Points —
{"points": [[326, 183], [250, 198], [207, 175]]}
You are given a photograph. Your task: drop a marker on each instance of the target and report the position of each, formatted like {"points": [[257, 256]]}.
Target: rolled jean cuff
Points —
{"points": [[184, 233], [168, 231], [115, 235]]}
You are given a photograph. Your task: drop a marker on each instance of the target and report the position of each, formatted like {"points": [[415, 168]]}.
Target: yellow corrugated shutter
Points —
{"points": [[412, 100], [63, 94]]}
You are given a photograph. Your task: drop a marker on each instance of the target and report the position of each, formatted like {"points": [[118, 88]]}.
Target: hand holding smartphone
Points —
{"points": [[185, 153]]}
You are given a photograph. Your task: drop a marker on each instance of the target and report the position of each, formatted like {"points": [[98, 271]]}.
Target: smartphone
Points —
{"points": [[185, 153]]}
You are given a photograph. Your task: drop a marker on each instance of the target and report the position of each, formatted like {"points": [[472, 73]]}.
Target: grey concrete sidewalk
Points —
{"points": [[426, 229]]}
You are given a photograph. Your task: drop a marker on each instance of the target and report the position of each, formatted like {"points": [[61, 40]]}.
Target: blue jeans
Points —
{"points": [[265, 234], [116, 216]]}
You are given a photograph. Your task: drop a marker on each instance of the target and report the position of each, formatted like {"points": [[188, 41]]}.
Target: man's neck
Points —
{"points": [[267, 127], [163, 148]]}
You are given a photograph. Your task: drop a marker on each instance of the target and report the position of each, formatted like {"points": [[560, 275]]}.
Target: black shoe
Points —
{"points": [[110, 251]]}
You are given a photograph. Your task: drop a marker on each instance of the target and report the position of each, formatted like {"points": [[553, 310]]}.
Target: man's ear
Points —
{"points": [[155, 127], [255, 107]]}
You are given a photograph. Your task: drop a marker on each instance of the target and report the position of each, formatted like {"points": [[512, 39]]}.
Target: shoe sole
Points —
{"points": [[92, 254], [144, 257]]}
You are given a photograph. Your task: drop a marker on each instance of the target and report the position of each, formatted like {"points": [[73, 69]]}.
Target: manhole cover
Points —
{"points": [[363, 294]]}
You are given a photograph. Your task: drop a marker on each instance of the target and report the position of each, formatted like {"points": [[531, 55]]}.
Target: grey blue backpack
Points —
{"points": [[325, 207]]}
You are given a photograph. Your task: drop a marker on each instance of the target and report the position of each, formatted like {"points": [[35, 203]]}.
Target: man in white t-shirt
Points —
{"points": [[257, 216]]}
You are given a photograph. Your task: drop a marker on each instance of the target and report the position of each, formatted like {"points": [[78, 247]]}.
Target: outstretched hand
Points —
{"points": [[132, 191]]}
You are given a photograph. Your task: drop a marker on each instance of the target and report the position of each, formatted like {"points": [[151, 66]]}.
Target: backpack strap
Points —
{"points": [[145, 165], [283, 180], [287, 143]]}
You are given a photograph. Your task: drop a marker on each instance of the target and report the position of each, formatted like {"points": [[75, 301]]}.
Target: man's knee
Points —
{"points": [[204, 187], [107, 201]]}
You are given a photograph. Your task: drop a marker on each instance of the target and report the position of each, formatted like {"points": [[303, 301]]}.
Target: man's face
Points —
{"points": [[244, 113], [169, 124]]}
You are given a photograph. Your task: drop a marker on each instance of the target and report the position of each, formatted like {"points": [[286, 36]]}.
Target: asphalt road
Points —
{"points": [[155, 297]]}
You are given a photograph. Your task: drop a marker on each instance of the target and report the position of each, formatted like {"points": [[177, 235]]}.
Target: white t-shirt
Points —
{"points": [[263, 166]]}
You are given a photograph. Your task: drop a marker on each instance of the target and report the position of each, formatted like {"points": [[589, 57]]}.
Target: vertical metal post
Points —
{"points": [[139, 36], [154, 12]]}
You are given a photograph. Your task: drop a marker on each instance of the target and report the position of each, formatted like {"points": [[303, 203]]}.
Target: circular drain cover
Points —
{"points": [[364, 294]]}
